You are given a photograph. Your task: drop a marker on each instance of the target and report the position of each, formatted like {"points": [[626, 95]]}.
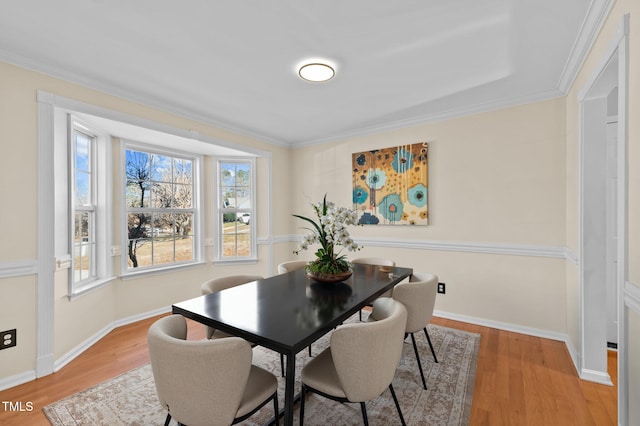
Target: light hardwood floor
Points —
{"points": [[520, 380]]}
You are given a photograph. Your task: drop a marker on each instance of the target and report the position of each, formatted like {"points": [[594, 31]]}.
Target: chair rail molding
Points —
{"points": [[18, 268], [532, 250]]}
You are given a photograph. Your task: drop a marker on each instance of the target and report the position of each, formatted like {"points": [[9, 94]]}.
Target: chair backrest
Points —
{"points": [[366, 354], [292, 265], [200, 382], [418, 295], [218, 284], [379, 261]]}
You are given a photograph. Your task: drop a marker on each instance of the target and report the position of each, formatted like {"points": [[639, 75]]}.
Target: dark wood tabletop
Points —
{"points": [[288, 312]]}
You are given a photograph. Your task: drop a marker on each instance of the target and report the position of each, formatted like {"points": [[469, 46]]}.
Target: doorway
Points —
{"points": [[602, 212]]}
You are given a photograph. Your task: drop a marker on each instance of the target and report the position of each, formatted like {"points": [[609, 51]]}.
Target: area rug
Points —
{"points": [[130, 399]]}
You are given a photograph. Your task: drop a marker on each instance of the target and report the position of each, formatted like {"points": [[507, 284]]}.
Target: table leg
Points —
{"points": [[289, 383]]}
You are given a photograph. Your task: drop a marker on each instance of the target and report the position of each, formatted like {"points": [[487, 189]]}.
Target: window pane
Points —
{"points": [[229, 245], [184, 249], [183, 194], [163, 250], [82, 246], [228, 197], [82, 190], [183, 170], [227, 174], [236, 238], [138, 225], [161, 168], [243, 175], [162, 196], [163, 225], [82, 152], [138, 174]]}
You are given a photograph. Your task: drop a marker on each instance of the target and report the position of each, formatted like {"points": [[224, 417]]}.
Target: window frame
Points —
{"points": [[221, 210], [196, 209], [100, 160]]}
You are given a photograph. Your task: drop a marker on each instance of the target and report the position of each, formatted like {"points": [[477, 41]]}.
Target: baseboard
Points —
{"points": [[596, 377], [18, 379], [78, 350], [530, 331]]}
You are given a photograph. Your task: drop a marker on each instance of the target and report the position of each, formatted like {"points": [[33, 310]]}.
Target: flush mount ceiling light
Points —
{"points": [[316, 72]]}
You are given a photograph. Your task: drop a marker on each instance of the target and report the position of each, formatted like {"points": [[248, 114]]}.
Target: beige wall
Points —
{"points": [[494, 178]]}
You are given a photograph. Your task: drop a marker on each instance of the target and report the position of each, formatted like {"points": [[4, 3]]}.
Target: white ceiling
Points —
{"points": [[233, 63]]}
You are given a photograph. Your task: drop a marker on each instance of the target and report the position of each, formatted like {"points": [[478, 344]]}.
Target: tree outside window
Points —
{"points": [[160, 209], [236, 209]]}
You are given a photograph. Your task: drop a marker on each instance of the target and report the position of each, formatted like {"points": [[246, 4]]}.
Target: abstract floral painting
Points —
{"points": [[390, 185]]}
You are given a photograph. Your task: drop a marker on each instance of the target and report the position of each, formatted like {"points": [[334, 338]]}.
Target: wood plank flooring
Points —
{"points": [[520, 380]]}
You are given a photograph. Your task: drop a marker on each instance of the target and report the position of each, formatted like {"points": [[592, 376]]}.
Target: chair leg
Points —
{"points": [[276, 410], [393, 394], [360, 313], [166, 422], [310, 350], [303, 391], [415, 349], [430, 345], [364, 413]]}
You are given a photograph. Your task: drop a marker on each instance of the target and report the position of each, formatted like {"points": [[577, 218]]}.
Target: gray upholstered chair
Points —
{"points": [[206, 382], [418, 295], [223, 283], [343, 374], [378, 261], [292, 265]]}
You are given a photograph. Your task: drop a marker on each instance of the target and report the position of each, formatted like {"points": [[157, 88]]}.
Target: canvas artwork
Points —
{"points": [[390, 185]]}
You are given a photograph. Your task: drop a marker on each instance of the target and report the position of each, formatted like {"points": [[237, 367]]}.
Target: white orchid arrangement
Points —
{"points": [[330, 230]]}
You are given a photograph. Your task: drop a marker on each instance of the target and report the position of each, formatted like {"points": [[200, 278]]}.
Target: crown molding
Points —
{"points": [[436, 117], [117, 91], [591, 26]]}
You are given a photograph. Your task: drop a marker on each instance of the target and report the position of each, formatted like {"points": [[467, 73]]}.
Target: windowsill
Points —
{"points": [[251, 260], [90, 287], [130, 275]]}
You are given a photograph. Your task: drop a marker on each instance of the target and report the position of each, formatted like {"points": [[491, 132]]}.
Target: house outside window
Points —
{"points": [[236, 210], [162, 212]]}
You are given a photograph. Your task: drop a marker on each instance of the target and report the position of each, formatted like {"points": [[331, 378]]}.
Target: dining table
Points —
{"points": [[288, 312]]}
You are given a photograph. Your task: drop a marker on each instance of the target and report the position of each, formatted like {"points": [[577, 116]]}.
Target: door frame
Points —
{"points": [[592, 363]]}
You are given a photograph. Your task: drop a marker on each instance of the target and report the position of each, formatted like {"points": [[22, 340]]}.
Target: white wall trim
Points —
{"points": [[632, 296], [591, 26], [79, 349], [46, 225], [596, 377], [515, 328], [532, 250], [18, 268], [18, 379]]}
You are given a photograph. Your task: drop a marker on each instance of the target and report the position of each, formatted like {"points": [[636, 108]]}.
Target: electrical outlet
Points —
{"points": [[7, 339], [441, 288]]}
